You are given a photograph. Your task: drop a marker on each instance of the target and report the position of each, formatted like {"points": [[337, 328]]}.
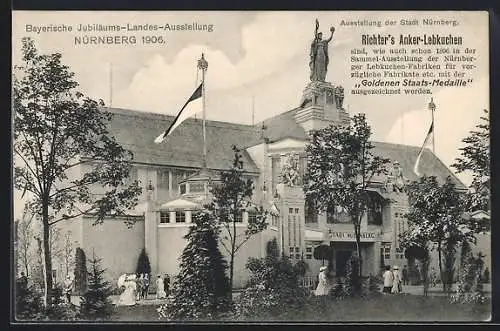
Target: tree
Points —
{"points": [[80, 271], [340, 167], [436, 216], [231, 197], [95, 302], [58, 133], [201, 290], [143, 265], [475, 158], [67, 253], [24, 234]]}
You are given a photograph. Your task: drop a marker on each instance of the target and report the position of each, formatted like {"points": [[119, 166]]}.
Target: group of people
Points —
{"points": [[137, 288], [393, 280]]}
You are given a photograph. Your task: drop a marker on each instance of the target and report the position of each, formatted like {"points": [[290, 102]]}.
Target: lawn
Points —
{"points": [[383, 308]]}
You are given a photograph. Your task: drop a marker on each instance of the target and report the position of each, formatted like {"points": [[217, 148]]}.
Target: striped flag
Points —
{"points": [[428, 139], [190, 108]]}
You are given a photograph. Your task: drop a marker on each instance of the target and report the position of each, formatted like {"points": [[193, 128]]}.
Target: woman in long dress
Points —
{"points": [[396, 284], [127, 298], [322, 288], [160, 288]]}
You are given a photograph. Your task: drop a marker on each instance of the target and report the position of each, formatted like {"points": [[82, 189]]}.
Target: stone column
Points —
{"points": [[151, 236]]}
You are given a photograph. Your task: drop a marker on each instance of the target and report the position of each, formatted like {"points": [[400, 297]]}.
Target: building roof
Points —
{"points": [[282, 126], [136, 131]]}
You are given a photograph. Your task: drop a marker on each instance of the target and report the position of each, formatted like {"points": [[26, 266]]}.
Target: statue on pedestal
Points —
{"points": [[319, 55]]}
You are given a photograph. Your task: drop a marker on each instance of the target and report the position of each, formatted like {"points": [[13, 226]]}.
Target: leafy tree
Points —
{"points": [[95, 302], [475, 158], [436, 216], [143, 265], [340, 168], [201, 290], [231, 197], [58, 130], [416, 247], [80, 271]]}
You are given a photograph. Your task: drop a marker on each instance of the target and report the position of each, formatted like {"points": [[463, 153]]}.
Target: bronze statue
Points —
{"points": [[319, 55]]}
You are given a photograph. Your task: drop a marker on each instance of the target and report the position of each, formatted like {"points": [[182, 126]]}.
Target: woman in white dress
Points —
{"points": [[160, 288], [322, 288], [127, 298], [396, 284]]}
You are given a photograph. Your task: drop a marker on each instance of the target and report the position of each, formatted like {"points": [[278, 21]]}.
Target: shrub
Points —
{"points": [[28, 303], [371, 286], [352, 283], [273, 290], [143, 265], [95, 303], [80, 271], [470, 286]]}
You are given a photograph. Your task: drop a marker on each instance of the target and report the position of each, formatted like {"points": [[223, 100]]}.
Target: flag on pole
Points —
{"points": [[191, 107], [428, 138]]}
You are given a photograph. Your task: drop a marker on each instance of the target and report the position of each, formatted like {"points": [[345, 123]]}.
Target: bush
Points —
{"points": [[95, 303], [470, 286], [486, 276], [371, 286], [352, 283], [143, 265], [80, 271], [28, 303], [273, 291]]}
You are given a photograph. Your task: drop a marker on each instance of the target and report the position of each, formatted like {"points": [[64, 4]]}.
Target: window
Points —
{"points": [[292, 249], [196, 187], [180, 216], [54, 276], [337, 214], [311, 214], [374, 205], [399, 253], [297, 249], [252, 216], [274, 220], [183, 188], [162, 179], [387, 252], [309, 252], [297, 256], [164, 217], [239, 217]]}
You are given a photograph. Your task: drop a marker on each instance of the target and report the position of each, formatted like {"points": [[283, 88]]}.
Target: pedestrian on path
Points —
{"points": [[396, 284], [388, 279], [405, 276], [322, 288]]}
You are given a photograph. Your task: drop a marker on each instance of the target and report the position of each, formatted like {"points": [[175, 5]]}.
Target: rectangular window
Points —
{"points": [[311, 214], [399, 253], [180, 216], [297, 256], [297, 249], [252, 216], [387, 252], [196, 188], [162, 179], [374, 209], [274, 220], [54, 276], [239, 217], [164, 217], [309, 256], [337, 214], [183, 188], [292, 249]]}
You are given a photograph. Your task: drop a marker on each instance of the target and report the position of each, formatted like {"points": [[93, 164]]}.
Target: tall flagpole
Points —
{"points": [[432, 108], [203, 65]]}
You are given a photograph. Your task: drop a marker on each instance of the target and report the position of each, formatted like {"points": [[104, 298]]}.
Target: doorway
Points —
{"points": [[341, 258]]}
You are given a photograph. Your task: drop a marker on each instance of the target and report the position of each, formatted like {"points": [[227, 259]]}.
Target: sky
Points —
{"points": [[258, 67]]}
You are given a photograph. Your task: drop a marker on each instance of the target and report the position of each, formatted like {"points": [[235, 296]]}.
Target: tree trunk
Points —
{"points": [[231, 269], [46, 254], [357, 234], [440, 258]]}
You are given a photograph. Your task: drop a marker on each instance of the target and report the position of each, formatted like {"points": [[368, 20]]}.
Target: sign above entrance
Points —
{"points": [[349, 236]]}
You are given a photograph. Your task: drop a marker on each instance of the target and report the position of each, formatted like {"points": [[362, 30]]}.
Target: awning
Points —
{"points": [[179, 204]]}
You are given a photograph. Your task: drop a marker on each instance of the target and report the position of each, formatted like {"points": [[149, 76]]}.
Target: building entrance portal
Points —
{"points": [[341, 258]]}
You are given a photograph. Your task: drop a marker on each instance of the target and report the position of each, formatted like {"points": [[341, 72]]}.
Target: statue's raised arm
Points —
{"points": [[332, 30], [316, 29]]}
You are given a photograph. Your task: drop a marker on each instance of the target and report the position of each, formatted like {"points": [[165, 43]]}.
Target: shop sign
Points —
{"points": [[349, 236]]}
